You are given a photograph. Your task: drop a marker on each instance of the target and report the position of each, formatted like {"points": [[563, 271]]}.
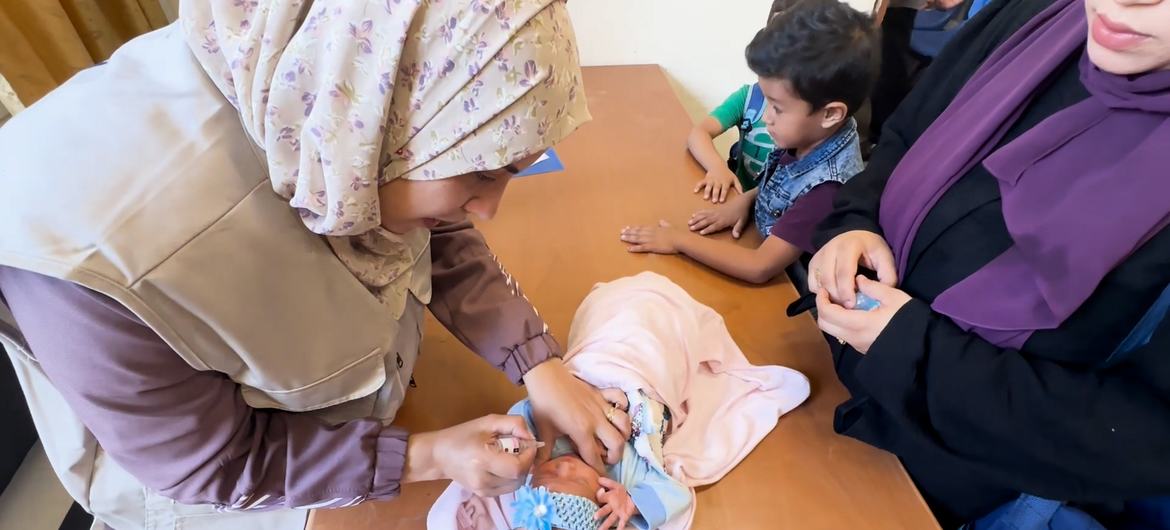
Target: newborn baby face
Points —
{"points": [[568, 474]]}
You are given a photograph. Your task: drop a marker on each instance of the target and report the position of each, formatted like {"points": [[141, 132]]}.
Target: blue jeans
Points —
{"points": [[1034, 513]]}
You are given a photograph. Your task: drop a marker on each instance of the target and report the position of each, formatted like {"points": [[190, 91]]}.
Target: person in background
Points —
{"points": [[1017, 218], [815, 62], [744, 110], [900, 64]]}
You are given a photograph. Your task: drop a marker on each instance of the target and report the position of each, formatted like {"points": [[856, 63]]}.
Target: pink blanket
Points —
{"points": [[644, 332]]}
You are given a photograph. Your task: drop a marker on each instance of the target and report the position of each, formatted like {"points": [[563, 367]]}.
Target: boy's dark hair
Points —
{"points": [[780, 6], [824, 48]]}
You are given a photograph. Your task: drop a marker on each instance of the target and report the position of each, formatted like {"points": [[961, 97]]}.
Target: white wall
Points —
{"points": [[699, 43]]}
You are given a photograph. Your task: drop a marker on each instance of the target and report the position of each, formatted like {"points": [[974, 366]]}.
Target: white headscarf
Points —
{"points": [[344, 96]]}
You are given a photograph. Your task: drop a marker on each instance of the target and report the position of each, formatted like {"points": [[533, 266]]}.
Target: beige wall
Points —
{"points": [[171, 8], [698, 42]]}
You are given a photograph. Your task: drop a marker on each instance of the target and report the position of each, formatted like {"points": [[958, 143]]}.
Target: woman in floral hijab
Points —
{"points": [[381, 124]]}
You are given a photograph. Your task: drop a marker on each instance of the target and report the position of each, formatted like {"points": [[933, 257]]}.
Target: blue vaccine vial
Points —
{"points": [[865, 303]]}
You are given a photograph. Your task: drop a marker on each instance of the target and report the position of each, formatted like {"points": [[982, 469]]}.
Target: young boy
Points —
{"points": [[816, 63], [743, 109]]}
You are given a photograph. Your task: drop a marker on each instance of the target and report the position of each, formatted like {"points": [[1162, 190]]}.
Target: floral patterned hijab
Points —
{"points": [[344, 96]]}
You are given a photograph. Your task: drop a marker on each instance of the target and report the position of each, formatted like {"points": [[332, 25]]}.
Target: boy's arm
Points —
{"points": [[719, 180], [727, 115], [758, 265], [701, 144]]}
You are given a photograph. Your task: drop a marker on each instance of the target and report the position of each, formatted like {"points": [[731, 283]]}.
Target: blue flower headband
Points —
{"points": [[539, 509]]}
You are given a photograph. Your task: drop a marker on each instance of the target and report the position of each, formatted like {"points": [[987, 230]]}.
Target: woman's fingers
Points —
{"points": [[845, 272], [814, 272], [619, 419], [618, 416], [508, 425], [825, 320], [604, 511], [828, 274], [881, 260], [589, 450], [617, 397], [839, 321], [877, 290], [509, 467], [549, 435], [723, 192], [609, 521], [613, 441]]}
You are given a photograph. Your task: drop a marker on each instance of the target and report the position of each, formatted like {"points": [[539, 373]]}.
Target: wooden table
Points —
{"points": [[558, 235]]}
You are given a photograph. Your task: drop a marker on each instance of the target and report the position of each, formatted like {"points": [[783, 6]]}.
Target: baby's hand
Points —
{"points": [[616, 504], [661, 239]]}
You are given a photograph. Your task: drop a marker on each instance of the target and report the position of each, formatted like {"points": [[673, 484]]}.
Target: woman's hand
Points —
{"points": [[617, 506], [857, 328], [718, 184], [834, 267], [464, 453], [561, 403], [661, 239], [619, 411], [733, 215]]}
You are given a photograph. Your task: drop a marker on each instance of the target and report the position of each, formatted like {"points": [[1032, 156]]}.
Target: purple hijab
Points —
{"points": [[1081, 191]]}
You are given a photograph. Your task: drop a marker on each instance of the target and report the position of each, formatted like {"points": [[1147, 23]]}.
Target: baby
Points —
{"points": [[677, 377], [567, 493]]}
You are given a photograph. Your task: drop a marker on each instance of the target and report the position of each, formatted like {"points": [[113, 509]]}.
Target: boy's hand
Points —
{"points": [[617, 507], [733, 215], [661, 239], [718, 184]]}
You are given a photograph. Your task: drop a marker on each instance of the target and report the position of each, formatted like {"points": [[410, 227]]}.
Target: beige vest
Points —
{"points": [[137, 180]]}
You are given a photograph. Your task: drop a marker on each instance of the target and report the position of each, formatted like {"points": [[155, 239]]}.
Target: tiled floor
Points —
{"points": [[35, 500]]}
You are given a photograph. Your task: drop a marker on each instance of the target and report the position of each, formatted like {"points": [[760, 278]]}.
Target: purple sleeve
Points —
{"points": [[482, 305], [185, 433], [800, 221]]}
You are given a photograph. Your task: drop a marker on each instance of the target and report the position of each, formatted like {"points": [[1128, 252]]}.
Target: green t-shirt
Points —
{"points": [[758, 143]]}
